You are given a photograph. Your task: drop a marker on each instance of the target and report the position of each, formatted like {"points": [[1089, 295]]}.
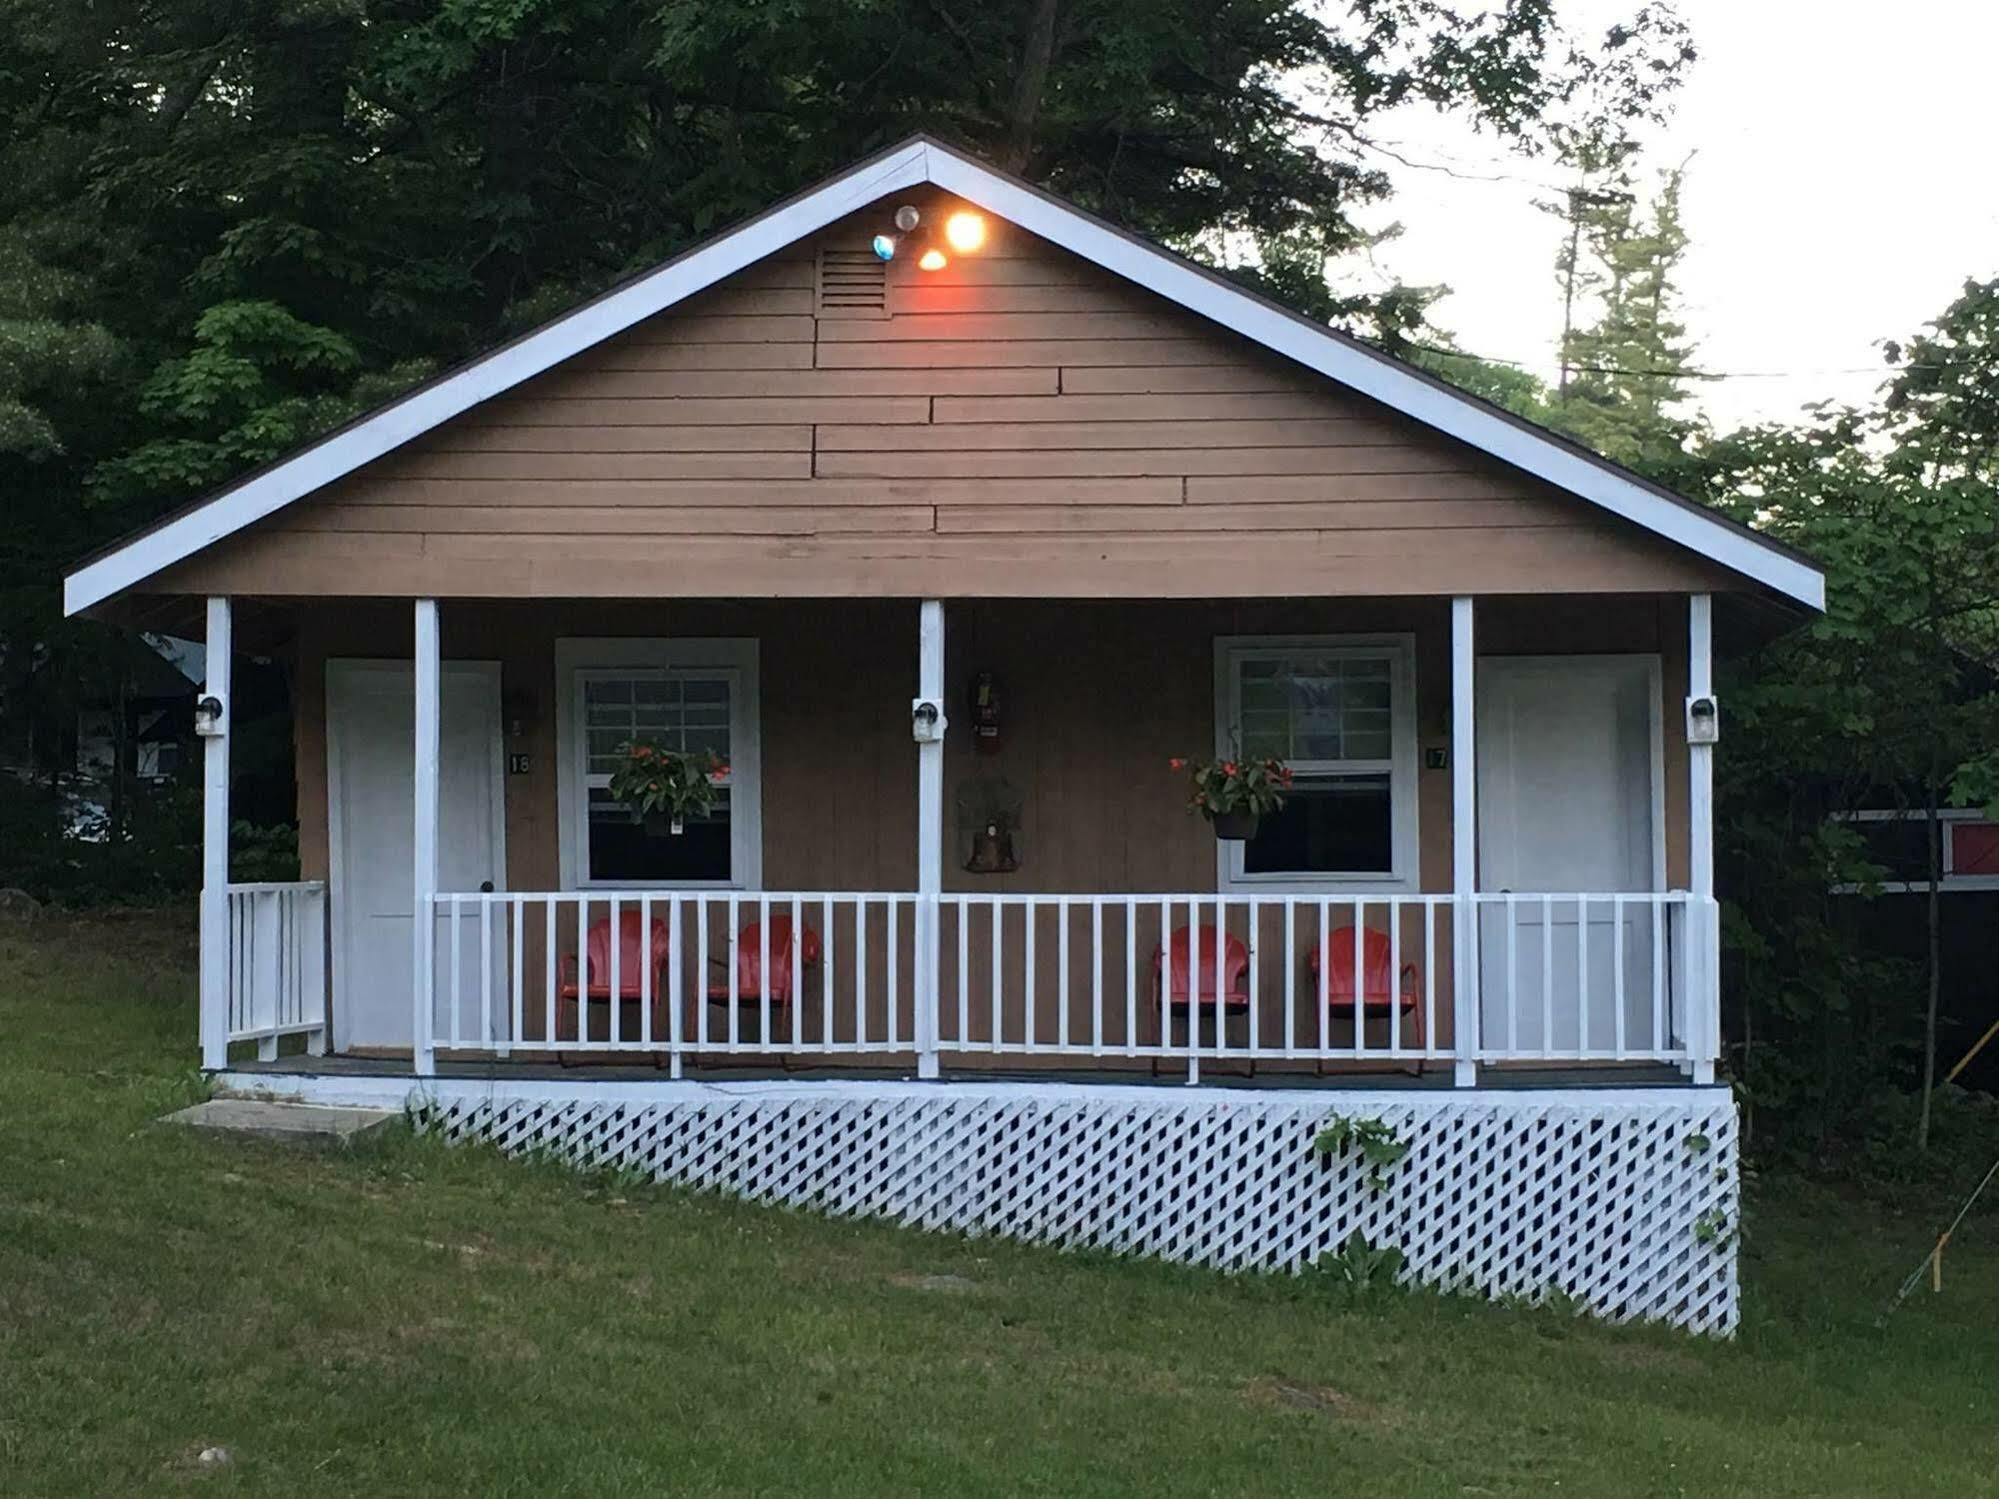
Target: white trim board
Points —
{"points": [[917, 161], [350, 1090]]}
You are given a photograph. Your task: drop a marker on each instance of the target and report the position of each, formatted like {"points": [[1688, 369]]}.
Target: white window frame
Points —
{"points": [[575, 660], [1949, 817], [1405, 877]]}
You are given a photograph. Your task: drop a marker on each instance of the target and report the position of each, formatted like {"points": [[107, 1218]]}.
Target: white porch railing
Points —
{"points": [[277, 964], [1081, 978]]}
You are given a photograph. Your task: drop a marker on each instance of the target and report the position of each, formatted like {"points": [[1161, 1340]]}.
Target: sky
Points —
{"points": [[1843, 184]]}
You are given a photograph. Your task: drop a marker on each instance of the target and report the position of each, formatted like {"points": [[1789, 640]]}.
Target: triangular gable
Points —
{"points": [[1340, 358]]}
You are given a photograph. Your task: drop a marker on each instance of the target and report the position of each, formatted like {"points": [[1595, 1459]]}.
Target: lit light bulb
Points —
{"points": [[907, 218], [884, 246], [965, 231], [932, 260]]}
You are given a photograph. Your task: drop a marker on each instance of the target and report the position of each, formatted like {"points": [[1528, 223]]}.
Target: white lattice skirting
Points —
{"points": [[1625, 1200]]}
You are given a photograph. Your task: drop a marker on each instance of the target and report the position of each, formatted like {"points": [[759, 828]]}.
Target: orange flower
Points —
{"points": [[1178, 762]]}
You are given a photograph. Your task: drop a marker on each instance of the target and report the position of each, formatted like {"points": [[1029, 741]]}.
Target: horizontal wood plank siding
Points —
{"points": [[1020, 423]]}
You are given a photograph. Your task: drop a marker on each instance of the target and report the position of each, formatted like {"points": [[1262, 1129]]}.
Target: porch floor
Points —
{"points": [[1436, 1076]]}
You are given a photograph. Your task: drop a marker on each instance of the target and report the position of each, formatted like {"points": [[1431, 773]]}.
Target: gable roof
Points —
{"points": [[1340, 357]]}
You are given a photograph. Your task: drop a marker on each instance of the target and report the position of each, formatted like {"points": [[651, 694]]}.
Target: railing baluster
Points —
{"points": [[582, 971], [1394, 976], [617, 1003], [1290, 909], [1360, 976], [1582, 974], [1547, 974], [733, 985], [1096, 975], [763, 973], [1028, 910], [1062, 972], [486, 974], [457, 946], [1170, 953], [1325, 953], [892, 911], [516, 980], [964, 907], [826, 950], [675, 955], [1657, 924], [1429, 978], [1131, 975], [1251, 1025], [860, 979], [1617, 962], [1512, 993], [997, 997], [701, 985], [648, 965], [548, 1035]]}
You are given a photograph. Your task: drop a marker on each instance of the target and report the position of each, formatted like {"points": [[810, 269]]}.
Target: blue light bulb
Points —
{"points": [[884, 245]]}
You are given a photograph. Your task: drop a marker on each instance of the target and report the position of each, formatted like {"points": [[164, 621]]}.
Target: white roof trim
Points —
{"points": [[1386, 380]]}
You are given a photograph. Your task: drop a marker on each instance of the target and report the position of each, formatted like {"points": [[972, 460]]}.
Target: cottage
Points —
{"points": [[944, 515]]}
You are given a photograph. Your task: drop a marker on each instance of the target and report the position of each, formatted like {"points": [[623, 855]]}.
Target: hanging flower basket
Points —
{"points": [[1235, 827], [1234, 795], [663, 787]]}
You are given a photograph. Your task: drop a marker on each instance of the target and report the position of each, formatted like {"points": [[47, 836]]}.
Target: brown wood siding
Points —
{"points": [[1020, 424], [1097, 697]]}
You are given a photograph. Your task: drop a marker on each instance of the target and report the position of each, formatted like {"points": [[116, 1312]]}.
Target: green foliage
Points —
{"points": [[1359, 1270], [655, 781], [1377, 1143]]}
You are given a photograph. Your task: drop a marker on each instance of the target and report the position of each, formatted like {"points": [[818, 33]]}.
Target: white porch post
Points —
{"points": [[929, 831], [215, 954], [1464, 843], [423, 920], [1704, 937]]}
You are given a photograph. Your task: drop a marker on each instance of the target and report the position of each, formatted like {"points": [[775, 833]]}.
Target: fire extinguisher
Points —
{"points": [[985, 712]]}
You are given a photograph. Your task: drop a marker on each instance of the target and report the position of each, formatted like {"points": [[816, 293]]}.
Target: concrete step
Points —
{"points": [[282, 1121]]}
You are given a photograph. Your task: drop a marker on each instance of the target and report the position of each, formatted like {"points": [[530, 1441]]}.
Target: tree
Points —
{"points": [[1888, 700], [1624, 376]]}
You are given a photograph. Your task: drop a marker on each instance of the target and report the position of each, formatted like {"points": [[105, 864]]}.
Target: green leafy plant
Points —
{"points": [[1359, 1268], [1712, 1228], [658, 782], [1376, 1140], [1221, 787]]}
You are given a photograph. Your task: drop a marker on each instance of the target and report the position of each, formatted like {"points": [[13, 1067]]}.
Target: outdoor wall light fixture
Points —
{"points": [[1703, 720], [963, 232], [208, 716], [926, 720]]}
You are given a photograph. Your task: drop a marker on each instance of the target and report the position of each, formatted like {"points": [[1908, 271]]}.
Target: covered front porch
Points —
{"points": [[1032, 900]]}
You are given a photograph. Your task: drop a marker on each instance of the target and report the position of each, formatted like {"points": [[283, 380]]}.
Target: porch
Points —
{"points": [[1412, 975]]}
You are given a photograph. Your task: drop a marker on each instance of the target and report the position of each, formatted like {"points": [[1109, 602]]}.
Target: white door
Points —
{"points": [[1568, 777], [371, 795]]}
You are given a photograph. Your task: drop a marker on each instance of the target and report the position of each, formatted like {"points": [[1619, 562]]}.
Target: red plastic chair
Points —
{"points": [[749, 986], [1235, 969], [1376, 998], [634, 954]]}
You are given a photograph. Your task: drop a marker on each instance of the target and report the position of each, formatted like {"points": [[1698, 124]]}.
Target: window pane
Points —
{"points": [[675, 711], [1343, 826], [1315, 708], [622, 849]]}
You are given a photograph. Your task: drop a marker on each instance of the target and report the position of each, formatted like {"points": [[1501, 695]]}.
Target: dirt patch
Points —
{"points": [[1317, 1400], [952, 1284]]}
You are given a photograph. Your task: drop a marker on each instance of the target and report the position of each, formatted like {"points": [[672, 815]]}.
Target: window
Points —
{"points": [[1898, 843], [693, 696], [1340, 713]]}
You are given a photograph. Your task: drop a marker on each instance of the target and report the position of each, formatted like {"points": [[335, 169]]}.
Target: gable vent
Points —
{"points": [[852, 283]]}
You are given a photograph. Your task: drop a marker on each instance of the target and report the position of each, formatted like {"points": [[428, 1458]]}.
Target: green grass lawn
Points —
{"points": [[402, 1319]]}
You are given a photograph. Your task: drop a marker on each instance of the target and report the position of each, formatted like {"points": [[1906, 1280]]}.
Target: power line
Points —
{"points": [[1885, 371]]}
